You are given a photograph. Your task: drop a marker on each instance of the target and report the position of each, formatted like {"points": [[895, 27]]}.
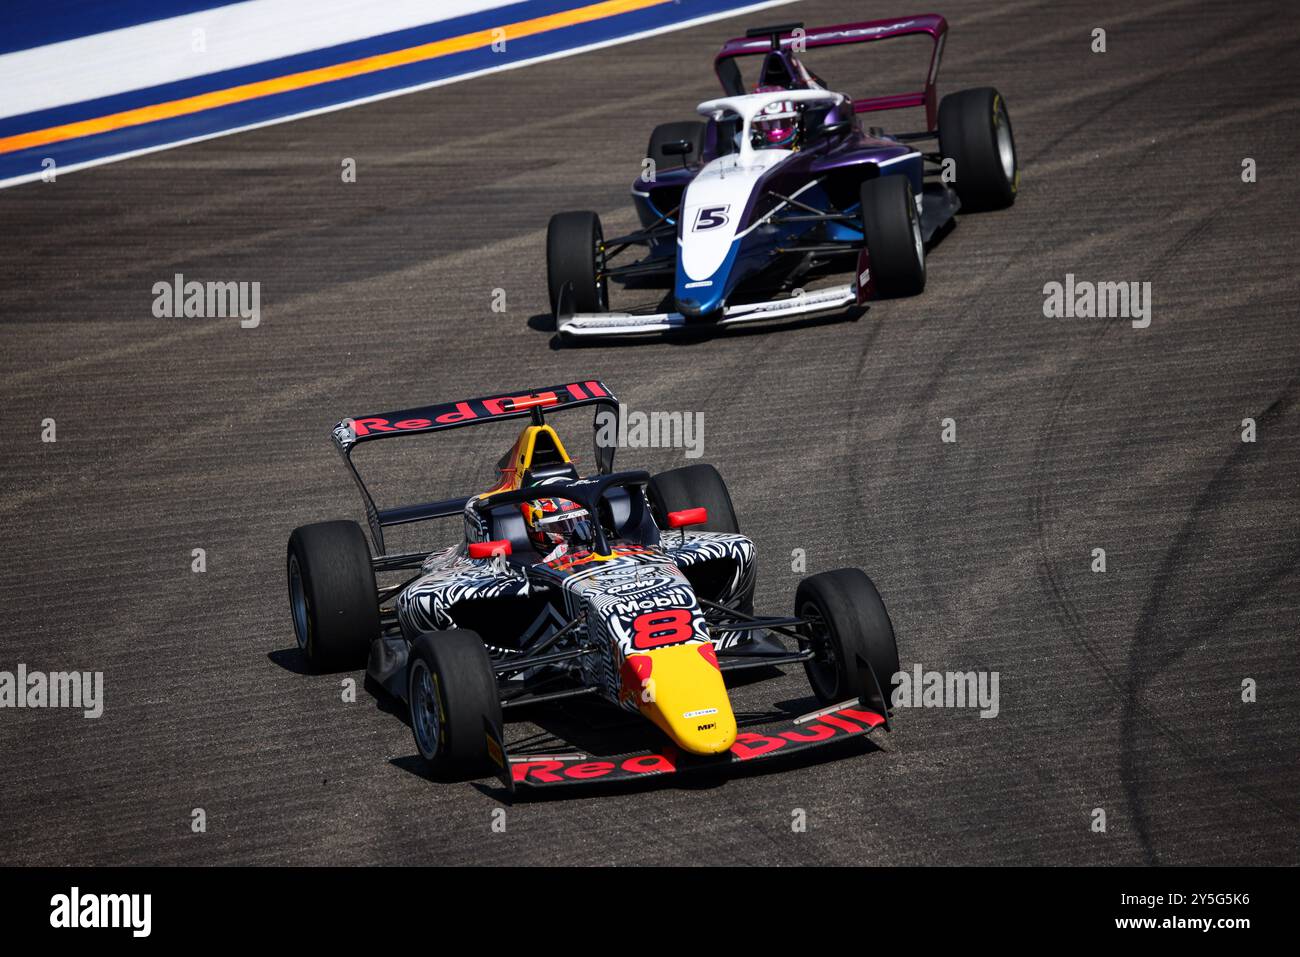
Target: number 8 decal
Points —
{"points": [[655, 628]]}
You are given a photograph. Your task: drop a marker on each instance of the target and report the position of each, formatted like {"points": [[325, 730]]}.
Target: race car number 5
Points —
{"points": [[656, 628], [710, 217]]}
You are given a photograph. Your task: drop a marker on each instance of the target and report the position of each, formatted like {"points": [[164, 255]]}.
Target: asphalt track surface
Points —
{"points": [[1119, 690]]}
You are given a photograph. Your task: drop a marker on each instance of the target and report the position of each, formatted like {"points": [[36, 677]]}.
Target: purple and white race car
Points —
{"points": [[782, 184]]}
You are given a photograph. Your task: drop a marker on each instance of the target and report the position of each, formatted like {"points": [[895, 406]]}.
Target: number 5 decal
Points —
{"points": [[656, 628], [710, 217]]}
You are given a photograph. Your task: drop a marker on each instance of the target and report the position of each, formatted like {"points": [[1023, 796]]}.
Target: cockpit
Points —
{"points": [[541, 508]]}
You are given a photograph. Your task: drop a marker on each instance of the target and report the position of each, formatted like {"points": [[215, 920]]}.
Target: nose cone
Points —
{"points": [[685, 696], [695, 306], [689, 306], [701, 290]]}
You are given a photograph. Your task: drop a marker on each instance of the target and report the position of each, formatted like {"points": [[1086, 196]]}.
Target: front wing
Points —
{"points": [[602, 324], [849, 719]]}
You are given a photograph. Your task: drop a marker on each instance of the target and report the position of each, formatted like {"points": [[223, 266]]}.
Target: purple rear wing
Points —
{"points": [[798, 39]]}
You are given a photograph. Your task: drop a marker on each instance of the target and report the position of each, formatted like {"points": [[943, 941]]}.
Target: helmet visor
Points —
{"points": [[573, 526]]}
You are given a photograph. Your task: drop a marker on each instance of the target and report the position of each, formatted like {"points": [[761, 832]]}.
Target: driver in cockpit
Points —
{"points": [[777, 127], [557, 526]]}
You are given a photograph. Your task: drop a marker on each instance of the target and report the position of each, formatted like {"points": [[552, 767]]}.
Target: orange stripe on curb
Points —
{"points": [[327, 74]]}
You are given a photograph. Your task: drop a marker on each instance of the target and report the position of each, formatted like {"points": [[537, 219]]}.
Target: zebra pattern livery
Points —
{"points": [[451, 577], [609, 592]]}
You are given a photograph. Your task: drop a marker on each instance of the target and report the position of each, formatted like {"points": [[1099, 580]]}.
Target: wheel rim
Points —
{"points": [[1006, 147], [424, 710], [917, 241], [602, 284], [298, 604], [823, 669]]}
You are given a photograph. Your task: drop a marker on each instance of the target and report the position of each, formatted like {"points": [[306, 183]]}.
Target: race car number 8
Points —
{"points": [[655, 628]]}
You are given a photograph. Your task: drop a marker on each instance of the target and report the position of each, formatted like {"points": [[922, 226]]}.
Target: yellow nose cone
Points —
{"points": [[685, 696]]}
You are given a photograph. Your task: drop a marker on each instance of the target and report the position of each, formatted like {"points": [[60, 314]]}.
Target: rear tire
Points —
{"points": [[975, 132], [690, 130], [694, 486], [893, 230], [854, 623], [332, 594], [575, 256], [452, 693]]}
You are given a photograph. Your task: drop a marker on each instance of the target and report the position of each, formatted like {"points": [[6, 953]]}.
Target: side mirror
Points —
{"points": [[815, 127], [687, 517], [679, 148], [489, 549]]}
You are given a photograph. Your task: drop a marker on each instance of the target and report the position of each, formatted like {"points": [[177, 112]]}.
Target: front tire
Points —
{"points": [[452, 693], [575, 256], [975, 133], [694, 486], [332, 594], [893, 231], [851, 623]]}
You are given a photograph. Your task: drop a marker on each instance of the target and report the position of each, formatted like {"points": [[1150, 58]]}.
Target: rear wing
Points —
{"points": [[355, 430], [795, 38]]}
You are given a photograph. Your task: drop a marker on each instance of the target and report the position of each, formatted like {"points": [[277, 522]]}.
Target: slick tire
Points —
{"points": [[575, 256], [332, 594], [851, 622], [694, 486], [893, 230], [452, 693], [975, 133]]}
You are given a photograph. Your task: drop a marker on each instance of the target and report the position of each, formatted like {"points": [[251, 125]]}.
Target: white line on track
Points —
{"points": [[559, 54]]}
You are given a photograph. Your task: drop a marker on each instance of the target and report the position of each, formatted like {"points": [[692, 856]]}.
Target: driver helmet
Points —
{"points": [[553, 522], [777, 127]]}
